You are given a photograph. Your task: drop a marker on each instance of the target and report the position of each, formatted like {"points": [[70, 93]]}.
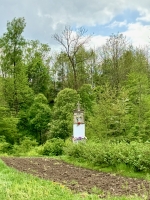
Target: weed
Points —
{"points": [[96, 190], [74, 182]]}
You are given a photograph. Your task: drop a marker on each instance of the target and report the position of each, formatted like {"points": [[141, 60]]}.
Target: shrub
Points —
{"points": [[75, 150], [53, 147], [5, 147], [24, 146], [134, 155]]}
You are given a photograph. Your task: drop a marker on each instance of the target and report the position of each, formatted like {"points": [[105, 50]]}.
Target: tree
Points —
{"points": [[138, 93], [87, 97], [12, 44], [62, 117], [37, 59], [72, 42], [8, 125], [61, 70], [35, 120], [64, 72], [85, 68], [110, 54], [110, 114]]}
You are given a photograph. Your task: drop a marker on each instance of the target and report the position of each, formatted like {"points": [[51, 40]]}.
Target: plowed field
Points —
{"points": [[80, 179]]}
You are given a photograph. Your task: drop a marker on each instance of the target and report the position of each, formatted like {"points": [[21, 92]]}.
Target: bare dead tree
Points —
{"points": [[72, 41]]}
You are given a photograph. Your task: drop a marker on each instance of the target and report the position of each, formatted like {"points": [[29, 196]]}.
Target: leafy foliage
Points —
{"points": [[53, 147], [87, 97], [25, 145], [35, 120], [13, 70], [8, 125], [38, 58], [5, 147], [61, 124], [37, 99], [135, 155]]}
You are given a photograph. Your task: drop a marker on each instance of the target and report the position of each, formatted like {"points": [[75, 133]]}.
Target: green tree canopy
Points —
{"points": [[62, 118], [35, 120], [12, 43]]}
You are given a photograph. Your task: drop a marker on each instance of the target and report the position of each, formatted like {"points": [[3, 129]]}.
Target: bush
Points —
{"points": [[53, 147], [75, 150], [107, 154], [5, 147], [24, 146]]}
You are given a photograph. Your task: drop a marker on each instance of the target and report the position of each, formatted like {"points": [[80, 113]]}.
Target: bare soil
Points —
{"points": [[80, 179]]}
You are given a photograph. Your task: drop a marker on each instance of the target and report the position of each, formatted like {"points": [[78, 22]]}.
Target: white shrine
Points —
{"points": [[78, 125]]}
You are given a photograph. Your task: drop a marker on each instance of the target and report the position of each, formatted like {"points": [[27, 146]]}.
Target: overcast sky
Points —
{"points": [[101, 17]]}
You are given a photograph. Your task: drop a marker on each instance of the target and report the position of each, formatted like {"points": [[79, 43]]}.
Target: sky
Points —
{"points": [[100, 18]]}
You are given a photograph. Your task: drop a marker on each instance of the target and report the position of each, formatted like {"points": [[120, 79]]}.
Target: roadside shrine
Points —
{"points": [[78, 125]]}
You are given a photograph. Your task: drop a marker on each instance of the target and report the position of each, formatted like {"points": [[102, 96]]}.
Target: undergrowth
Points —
{"points": [[134, 156], [129, 159]]}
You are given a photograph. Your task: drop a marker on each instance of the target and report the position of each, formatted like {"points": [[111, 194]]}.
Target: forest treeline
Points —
{"points": [[39, 89]]}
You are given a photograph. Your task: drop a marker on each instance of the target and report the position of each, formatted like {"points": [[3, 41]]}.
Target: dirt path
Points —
{"points": [[79, 179]]}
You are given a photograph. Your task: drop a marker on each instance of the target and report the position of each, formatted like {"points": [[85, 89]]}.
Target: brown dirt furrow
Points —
{"points": [[79, 179]]}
